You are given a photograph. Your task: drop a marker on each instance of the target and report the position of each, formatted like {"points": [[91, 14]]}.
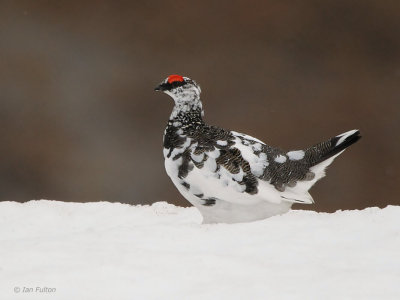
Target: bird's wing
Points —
{"points": [[210, 166], [236, 168], [274, 167]]}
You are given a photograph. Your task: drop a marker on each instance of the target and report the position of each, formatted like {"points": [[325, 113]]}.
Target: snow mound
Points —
{"points": [[58, 250]]}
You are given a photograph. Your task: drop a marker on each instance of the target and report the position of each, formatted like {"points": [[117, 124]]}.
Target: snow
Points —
{"points": [[117, 251]]}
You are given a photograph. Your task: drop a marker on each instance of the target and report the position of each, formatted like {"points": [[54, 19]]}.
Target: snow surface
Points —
{"points": [[117, 251]]}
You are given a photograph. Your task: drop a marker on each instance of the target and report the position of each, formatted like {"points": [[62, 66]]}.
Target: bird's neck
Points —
{"points": [[187, 113]]}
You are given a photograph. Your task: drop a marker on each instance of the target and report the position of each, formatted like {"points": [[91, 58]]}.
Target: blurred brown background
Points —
{"points": [[79, 119]]}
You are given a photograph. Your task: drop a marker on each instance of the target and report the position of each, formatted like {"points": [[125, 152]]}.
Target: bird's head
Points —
{"points": [[181, 89]]}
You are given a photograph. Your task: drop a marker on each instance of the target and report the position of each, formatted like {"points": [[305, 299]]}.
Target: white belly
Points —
{"points": [[233, 204]]}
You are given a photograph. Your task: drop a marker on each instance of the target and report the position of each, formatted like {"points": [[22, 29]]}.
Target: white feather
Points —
{"points": [[296, 155], [343, 136]]}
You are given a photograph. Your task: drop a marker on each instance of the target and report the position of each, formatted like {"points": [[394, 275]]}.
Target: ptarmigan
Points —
{"points": [[232, 177]]}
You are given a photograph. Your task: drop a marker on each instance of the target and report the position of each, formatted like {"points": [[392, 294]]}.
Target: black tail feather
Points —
{"points": [[322, 151]]}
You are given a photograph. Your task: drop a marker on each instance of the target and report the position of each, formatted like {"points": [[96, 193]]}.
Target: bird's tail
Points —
{"points": [[325, 150]]}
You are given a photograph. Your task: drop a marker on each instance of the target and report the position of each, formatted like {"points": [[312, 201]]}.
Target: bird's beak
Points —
{"points": [[161, 87]]}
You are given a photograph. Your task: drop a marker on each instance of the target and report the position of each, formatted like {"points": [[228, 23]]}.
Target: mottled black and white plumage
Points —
{"points": [[232, 177]]}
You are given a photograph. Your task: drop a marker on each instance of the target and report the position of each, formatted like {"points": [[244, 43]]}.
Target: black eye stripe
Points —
{"points": [[166, 86], [177, 84]]}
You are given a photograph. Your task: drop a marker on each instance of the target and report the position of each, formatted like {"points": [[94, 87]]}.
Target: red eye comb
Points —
{"points": [[173, 78]]}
